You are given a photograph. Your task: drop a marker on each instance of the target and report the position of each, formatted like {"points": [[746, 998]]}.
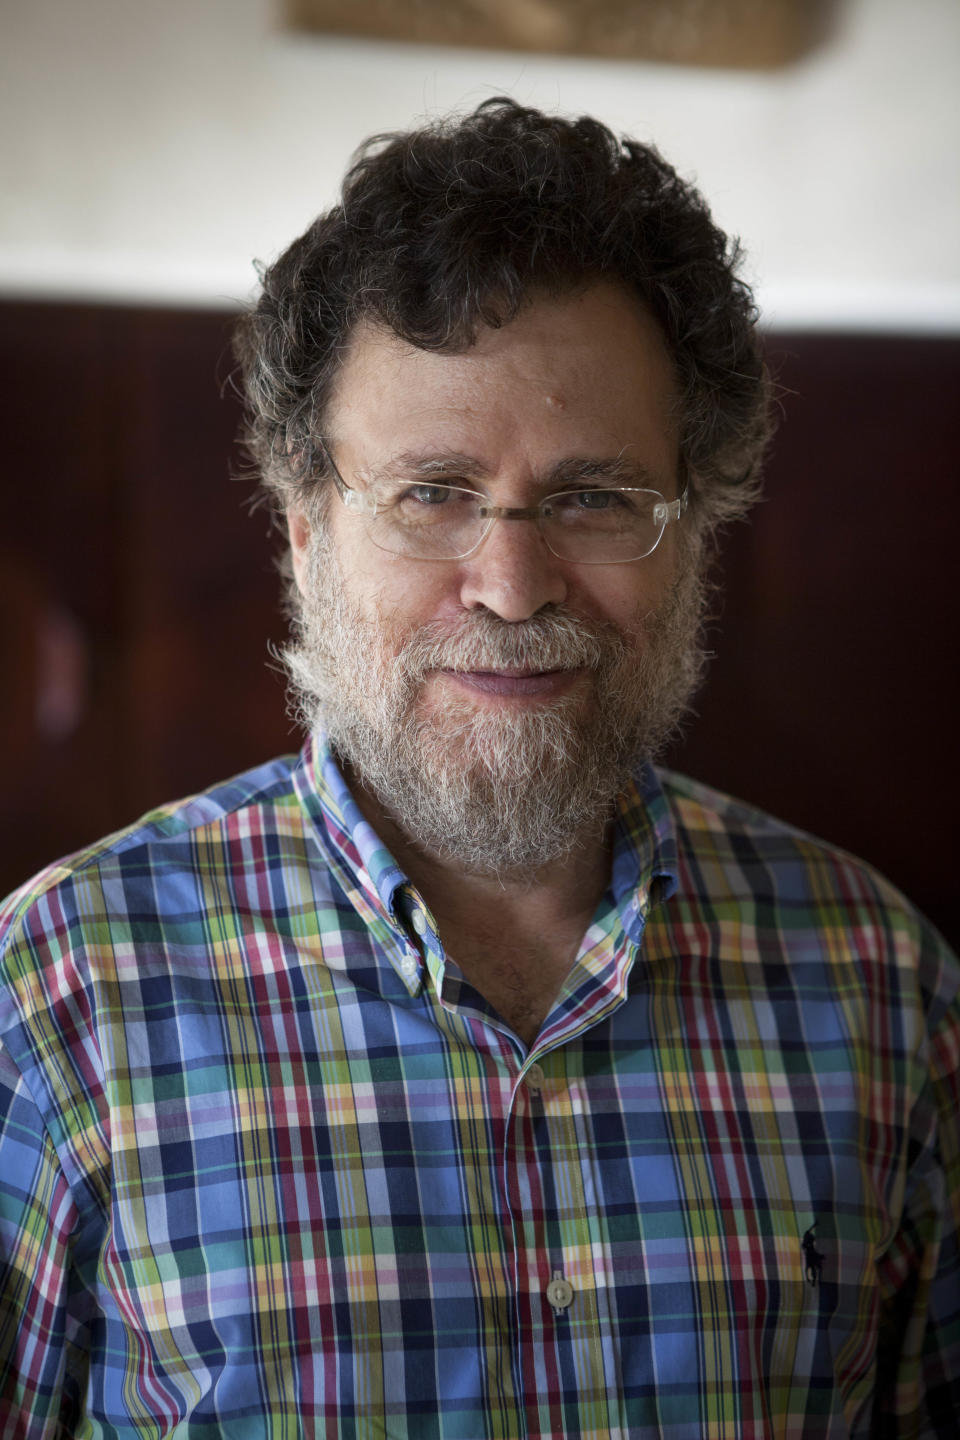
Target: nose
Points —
{"points": [[512, 573]]}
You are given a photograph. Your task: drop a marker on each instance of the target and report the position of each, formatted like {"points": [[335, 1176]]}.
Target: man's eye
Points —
{"points": [[592, 500], [425, 494]]}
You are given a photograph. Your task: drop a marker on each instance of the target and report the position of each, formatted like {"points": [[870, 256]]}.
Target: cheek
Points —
{"points": [[381, 590], [405, 598], [624, 595]]}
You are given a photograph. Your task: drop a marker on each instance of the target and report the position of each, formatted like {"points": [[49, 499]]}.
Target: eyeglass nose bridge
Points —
{"points": [[490, 514], [511, 512]]}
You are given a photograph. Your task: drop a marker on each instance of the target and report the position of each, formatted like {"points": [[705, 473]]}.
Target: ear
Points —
{"points": [[298, 528]]}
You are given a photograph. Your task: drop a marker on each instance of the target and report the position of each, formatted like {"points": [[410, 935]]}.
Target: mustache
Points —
{"points": [[553, 639]]}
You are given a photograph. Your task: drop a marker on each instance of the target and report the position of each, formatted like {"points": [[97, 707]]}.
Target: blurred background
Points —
{"points": [[152, 151]]}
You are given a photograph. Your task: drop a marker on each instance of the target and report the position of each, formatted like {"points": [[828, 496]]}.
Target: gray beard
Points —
{"points": [[495, 792]]}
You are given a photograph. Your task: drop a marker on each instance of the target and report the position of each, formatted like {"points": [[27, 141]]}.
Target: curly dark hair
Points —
{"points": [[448, 228]]}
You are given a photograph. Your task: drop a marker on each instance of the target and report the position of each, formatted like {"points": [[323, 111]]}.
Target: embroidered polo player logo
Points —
{"points": [[813, 1260]]}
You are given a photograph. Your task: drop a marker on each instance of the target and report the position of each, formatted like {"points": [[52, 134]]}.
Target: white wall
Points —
{"points": [[153, 147]]}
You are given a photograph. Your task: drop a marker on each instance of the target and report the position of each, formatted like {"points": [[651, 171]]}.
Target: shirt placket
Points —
{"points": [[563, 1324]]}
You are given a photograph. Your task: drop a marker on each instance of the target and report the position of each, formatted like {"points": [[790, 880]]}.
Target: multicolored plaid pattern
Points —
{"points": [[270, 1167]]}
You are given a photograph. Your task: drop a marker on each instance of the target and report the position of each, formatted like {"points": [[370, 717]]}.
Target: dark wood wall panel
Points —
{"points": [[833, 698], [61, 603], [139, 595]]}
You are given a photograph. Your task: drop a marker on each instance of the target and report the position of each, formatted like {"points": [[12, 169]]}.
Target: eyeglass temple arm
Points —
{"points": [[353, 499], [673, 509]]}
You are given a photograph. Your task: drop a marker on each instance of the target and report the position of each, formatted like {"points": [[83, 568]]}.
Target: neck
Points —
{"points": [[514, 935], [567, 888]]}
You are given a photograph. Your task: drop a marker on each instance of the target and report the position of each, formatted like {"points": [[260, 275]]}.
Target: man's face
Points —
{"points": [[494, 704]]}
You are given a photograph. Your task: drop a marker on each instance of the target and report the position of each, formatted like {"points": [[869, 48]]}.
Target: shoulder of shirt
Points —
{"points": [[704, 816], [850, 892], [160, 830], [700, 807]]}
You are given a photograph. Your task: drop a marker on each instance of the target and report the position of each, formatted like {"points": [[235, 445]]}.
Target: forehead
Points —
{"points": [[586, 374]]}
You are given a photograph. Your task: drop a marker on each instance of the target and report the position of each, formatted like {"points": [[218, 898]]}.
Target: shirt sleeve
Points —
{"points": [[918, 1391], [38, 1393]]}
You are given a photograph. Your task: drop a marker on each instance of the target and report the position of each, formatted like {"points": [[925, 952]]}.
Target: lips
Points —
{"points": [[515, 682]]}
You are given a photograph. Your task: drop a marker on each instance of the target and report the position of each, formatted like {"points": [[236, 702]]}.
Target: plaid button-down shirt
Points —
{"points": [[271, 1167]]}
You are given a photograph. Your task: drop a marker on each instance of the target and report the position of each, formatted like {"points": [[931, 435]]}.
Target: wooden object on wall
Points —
{"points": [[747, 34], [138, 595]]}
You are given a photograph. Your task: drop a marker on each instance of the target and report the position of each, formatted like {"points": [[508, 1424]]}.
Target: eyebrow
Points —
{"points": [[576, 471], [414, 465]]}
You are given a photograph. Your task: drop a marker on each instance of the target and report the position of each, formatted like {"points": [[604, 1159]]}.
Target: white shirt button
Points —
{"points": [[559, 1292], [419, 922], [535, 1078], [409, 966]]}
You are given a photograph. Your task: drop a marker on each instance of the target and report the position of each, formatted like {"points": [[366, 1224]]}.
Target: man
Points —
{"points": [[467, 1076]]}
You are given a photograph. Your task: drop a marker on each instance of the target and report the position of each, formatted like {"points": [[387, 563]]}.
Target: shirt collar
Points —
{"points": [[644, 871], [348, 840]]}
